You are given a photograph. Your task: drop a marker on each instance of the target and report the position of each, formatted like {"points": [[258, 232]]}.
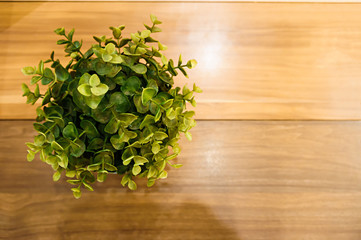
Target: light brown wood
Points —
{"points": [[256, 61], [241, 180]]}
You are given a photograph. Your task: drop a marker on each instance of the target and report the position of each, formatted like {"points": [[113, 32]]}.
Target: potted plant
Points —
{"points": [[111, 109]]}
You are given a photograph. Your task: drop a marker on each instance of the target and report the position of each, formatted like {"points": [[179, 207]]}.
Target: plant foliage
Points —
{"points": [[110, 109]]}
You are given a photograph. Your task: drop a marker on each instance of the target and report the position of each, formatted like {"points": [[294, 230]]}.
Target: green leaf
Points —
{"points": [[94, 80], [197, 89], [139, 68], [135, 144], [152, 172], [171, 68], [112, 126], [99, 90], [185, 90], [70, 131], [25, 89], [110, 167], [139, 160], [120, 102], [76, 194], [30, 156], [156, 29], [95, 144], [189, 114], [32, 146], [48, 76], [145, 34], [188, 96], [153, 18], [84, 90], [46, 98], [93, 101], [155, 148], [128, 155], [164, 174], [117, 142], [164, 60], [136, 170], [135, 37], [61, 73], [131, 86], [180, 60], [183, 71], [70, 34], [84, 79], [28, 70], [191, 63], [102, 175], [77, 148], [131, 134], [170, 113], [62, 41], [141, 50], [63, 160], [110, 48], [116, 32], [123, 42], [87, 186], [125, 179], [158, 115], [193, 102], [150, 182], [37, 91], [87, 176], [70, 173], [35, 79], [116, 59], [132, 185], [167, 104], [177, 165], [74, 182], [89, 128], [158, 135], [148, 94], [102, 68], [39, 140], [50, 137], [149, 119], [94, 167], [56, 176], [141, 108], [162, 47], [189, 136], [56, 146], [126, 118], [60, 31], [40, 127]]}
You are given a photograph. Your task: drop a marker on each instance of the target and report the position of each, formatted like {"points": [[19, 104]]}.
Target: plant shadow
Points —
{"points": [[158, 216]]}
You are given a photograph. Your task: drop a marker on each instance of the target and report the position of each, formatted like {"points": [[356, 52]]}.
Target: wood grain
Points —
{"points": [[240, 180], [256, 61]]}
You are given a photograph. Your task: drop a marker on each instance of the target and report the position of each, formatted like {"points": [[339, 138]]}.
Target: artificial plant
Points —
{"points": [[111, 109]]}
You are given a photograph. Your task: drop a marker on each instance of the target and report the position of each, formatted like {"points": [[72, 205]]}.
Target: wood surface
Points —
{"points": [[241, 180], [256, 60]]}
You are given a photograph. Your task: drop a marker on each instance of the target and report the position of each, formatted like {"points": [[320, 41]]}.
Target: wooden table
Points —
{"points": [[276, 153]]}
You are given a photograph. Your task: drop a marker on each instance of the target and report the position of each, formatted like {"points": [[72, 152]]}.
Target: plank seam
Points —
{"points": [[233, 120], [196, 1]]}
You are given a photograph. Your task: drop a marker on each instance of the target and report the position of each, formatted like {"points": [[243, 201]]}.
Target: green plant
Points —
{"points": [[110, 109]]}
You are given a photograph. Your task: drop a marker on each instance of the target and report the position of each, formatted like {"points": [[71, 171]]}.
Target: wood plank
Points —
{"points": [[256, 61], [240, 180], [207, 1]]}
